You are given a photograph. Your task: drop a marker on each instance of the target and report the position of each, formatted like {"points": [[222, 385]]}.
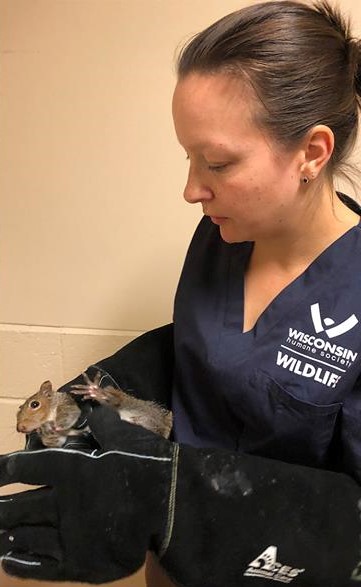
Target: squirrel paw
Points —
{"points": [[91, 390]]}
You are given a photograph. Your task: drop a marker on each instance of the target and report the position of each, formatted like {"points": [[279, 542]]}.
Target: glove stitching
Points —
{"points": [[27, 444], [92, 455], [104, 374], [171, 504], [8, 557]]}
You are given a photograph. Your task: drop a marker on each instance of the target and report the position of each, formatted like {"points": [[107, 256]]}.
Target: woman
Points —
{"points": [[266, 340], [269, 327]]}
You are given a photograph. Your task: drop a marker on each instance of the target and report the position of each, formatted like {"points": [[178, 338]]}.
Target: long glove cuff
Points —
{"points": [[238, 517], [143, 367]]}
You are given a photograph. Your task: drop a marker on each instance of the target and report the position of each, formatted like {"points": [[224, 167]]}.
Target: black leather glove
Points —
{"points": [[98, 513], [212, 517]]}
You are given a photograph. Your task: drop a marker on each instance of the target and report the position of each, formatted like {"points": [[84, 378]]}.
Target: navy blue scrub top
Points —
{"points": [[288, 389]]}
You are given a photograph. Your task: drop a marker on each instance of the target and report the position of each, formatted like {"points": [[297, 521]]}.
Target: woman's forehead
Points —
{"points": [[212, 109], [197, 90]]}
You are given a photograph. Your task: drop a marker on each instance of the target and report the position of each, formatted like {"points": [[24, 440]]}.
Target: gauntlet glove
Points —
{"points": [[212, 517], [97, 512]]}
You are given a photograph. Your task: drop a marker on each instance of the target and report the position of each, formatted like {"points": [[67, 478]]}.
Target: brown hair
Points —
{"points": [[301, 62]]}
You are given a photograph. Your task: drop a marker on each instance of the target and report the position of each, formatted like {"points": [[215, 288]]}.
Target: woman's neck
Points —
{"points": [[313, 228]]}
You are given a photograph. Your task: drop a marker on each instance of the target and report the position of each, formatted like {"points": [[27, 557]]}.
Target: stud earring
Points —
{"points": [[305, 180]]}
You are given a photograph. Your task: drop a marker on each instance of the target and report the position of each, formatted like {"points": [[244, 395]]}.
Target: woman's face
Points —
{"points": [[245, 182]]}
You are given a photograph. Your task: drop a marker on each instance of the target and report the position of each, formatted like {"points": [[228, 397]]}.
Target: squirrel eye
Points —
{"points": [[34, 404]]}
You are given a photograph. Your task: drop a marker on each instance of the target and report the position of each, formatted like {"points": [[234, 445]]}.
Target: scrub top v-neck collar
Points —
{"points": [[326, 267]]}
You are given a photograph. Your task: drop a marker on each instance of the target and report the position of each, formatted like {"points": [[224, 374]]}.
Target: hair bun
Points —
{"points": [[354, 46]]}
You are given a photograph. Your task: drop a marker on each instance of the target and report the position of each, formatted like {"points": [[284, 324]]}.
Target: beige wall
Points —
{"points": [[93, 225]]}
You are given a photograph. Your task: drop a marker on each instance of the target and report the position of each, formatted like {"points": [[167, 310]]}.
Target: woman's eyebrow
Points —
{"points": [[204, 145]]}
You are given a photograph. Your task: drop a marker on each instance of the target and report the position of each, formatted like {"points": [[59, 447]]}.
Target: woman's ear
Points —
{"points": [[318, 148]]}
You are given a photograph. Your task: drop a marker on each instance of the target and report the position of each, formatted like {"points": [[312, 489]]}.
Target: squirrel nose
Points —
{"points": [[21, 428]]}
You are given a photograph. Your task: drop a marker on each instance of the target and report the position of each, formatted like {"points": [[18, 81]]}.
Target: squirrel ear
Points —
{"points": [[46, 388]]}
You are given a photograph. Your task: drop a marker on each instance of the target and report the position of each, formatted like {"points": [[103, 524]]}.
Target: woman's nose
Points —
{"points": [[196, 190]]}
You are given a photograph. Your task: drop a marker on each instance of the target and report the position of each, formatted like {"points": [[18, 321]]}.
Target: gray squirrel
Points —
{"points": [[53, 414]]}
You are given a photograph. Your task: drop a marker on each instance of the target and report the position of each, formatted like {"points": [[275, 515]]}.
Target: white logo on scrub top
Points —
{"points": [[337, 330]]}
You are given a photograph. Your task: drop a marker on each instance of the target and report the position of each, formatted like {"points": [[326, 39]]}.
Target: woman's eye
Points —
{"points": [[217, 167]]}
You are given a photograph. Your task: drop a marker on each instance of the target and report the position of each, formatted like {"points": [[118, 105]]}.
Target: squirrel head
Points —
{"points": [[36, 410]]}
